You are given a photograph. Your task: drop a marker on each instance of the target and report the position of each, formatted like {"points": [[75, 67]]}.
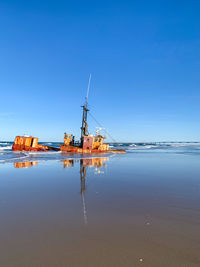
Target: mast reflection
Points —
{"points": [[97, 163]]}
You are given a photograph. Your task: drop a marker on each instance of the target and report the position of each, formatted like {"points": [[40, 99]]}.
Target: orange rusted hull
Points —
{"points": [[80, 150], [29, 143], [17, 147]]}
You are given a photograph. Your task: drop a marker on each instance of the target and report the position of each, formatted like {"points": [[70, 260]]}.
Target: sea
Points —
{"points": [[141, 208], [7, 155]]}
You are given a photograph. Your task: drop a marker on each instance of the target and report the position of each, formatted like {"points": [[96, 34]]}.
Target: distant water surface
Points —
{"points": [[7, 155], [135, 209]]}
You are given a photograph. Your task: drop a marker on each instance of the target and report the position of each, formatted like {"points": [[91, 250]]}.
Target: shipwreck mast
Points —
{"points": [[84, 127]]}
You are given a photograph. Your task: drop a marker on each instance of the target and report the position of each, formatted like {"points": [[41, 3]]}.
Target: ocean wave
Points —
{"points": [[133, 145], [5, 147], [4, 143], [13, 157], [141, 147]]}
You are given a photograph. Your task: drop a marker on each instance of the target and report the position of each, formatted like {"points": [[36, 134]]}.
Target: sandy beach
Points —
{"points": [[135, 209]]}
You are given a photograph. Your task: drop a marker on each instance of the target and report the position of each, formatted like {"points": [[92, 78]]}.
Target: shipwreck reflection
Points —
{"points": [[85, 163], [25, 164], [97, 163], [68, 163]]}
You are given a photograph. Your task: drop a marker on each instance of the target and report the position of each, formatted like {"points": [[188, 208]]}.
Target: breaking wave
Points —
{"points": [[13, 156], [5, 147], [168, 147], [4, 143]]}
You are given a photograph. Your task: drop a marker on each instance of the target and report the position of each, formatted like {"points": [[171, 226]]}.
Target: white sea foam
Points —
{"points": [[4, 143], [133, 145], [141, 147], [43, 152], [23, 156], [5, 147]]}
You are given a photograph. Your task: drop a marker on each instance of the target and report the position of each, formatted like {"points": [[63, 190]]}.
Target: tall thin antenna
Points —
{"points": [[88, 88]]}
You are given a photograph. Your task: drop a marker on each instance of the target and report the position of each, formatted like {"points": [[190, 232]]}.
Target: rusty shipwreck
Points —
{"points": [[88, 143]]}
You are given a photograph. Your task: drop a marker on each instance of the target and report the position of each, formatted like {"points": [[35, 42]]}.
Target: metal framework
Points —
{"points": [[84, 127]]}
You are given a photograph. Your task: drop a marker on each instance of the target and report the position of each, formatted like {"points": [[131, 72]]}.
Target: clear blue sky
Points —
{"points": [[144, 57]]}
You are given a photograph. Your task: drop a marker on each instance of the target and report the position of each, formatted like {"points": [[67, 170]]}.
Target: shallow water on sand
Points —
{"points": [[134, 209]]}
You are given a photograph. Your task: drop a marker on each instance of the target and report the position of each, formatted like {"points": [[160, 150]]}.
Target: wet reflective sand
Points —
{"points": [[138, 209]]}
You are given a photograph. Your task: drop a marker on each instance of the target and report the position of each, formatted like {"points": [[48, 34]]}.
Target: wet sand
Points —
{"points": [[138, 209]]}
